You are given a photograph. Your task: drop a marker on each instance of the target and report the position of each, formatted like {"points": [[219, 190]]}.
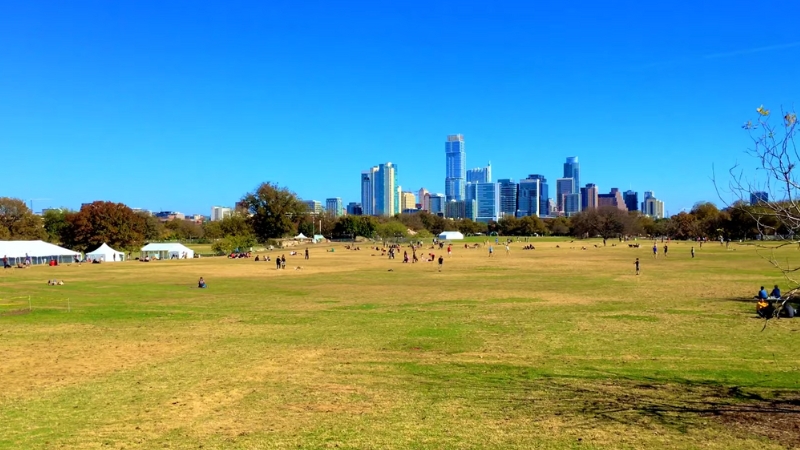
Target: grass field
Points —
{"points": [[550, 348]]}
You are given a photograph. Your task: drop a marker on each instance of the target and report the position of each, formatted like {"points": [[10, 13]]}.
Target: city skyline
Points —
{"points": [[146, 87]]}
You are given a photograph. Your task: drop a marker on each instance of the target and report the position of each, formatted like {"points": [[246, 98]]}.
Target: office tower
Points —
{"points": [[424, 199], [759, 197], [487, 200], [456, 209], [544, 193], [552, 207], [529, 197], [334, 206], [387, 200], [354, 209], [589, 195], [313, 206], [647, 194], [572, 204], [614, 199], [408, 201], [368, 191], [220, 212], [508, 197], [651, 206], [564, 186], [573, 170], [480, 174], [456, 167], [631, 200], [436, 203]]}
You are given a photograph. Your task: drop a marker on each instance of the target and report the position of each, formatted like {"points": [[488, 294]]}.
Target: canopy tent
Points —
{"points": [[167, 251], [301, 237], [318, 238], [39, 252], [106, 253], [450, 236]]}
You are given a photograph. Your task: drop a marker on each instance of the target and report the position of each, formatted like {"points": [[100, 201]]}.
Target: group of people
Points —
{"points": [[766, 305]]}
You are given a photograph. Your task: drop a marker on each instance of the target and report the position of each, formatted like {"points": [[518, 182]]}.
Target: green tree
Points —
{"points": [[607, 222], [530, 225], [558, 226], [55, 224], [391, 230], [231, 243], [183, 230], [17, 222], [275, 211], [104, 222], [152, 228]]}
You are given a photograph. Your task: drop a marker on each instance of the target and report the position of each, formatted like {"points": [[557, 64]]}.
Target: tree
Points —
{"points": [[234, 225], [353, 226], [607, 222], [17, 222], [55, 224], [153, 229], [558, 226], [104, 222], [683, 226], [184, 230], [232, 243], [275, 211], [391, 229]]}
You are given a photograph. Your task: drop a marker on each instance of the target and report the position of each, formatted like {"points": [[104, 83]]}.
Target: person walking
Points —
{"points": [[441, 262], [665, 250], [491, 251], [655, 250], [283, 261], [637, 266], [508, 250]]}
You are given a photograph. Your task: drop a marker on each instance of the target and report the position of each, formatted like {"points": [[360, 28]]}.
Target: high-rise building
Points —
{"points": [[220, 212], [314, 206], [437, 203], [354, 209], [424, 199], [368, 191], [456, 209], [564, 186], [456, 167], [529, 197], [614, 199], [589, 197], [334, 206], [647, 194], [651, 206], [480, 174], [508, 197], [572, 169], [572, 204], [544, 194], [408, 201], [487, 199], [759, 197], [631, 200]]}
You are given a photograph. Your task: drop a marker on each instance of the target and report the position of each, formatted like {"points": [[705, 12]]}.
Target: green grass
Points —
{"points": [[551, 348]]}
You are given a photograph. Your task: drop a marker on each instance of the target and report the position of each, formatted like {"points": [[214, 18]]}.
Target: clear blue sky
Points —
{"points": [[184, 105]]}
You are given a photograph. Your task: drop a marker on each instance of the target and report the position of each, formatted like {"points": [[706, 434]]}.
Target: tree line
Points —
{"points": [[271, 212]]}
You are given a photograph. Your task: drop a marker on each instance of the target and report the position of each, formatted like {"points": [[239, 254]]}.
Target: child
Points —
{"points": [[637, 266], [201, 283], [441, 262]]}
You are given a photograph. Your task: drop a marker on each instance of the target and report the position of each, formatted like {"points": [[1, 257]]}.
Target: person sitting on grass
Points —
{"points": [[776, 292], [201, 283], [762, 294]]}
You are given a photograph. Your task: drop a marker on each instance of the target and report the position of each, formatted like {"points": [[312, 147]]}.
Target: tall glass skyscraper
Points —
{"points": [[368, 191], [572, 169], [544, 194], [480, 174], [380, 194], [487, 199], [456, 170], [529, 197], [508, 197]]}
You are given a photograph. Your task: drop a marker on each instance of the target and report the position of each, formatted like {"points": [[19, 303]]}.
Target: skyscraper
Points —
{"points": [[529, 197], [408, 201], [589, 197], [436, 203], [480, 174], [614, 198], [220, 212], [354, 209], [573, 170], [631, 200], [424, 199], [508, 197], [572, 204], [564, 186], [456, 167], [759, 197], [487, 199], [368, 191], [314, 206], [544, 194], [651, 206], [334, 206]]}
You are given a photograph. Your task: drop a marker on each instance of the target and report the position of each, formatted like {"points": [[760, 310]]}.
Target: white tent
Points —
{"points": [[450, 236], [167, 251], [106, 254], [39, 252], [301, 236]]}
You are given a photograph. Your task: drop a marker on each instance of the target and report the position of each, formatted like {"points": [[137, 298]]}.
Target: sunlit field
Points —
{"points": [[556, 347]]}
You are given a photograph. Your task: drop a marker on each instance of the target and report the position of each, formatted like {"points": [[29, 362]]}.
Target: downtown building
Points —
{"points": [[220, 212], [613, 199], [455, 167], [487, 201], [480, 174], [651, 206], [380, 194], [313, 206], [589, 197], [334, 206]]}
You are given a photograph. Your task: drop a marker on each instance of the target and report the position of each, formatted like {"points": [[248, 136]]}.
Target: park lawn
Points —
{"points": [[556, 347]]}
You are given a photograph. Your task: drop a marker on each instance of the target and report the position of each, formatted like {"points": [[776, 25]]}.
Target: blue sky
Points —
{"points": [[184, 105]]}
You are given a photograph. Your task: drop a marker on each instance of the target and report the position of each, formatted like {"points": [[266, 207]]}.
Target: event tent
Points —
{"points": [[167, 251], [40, 252], [106, 253], [450, 236], [301, 237]]}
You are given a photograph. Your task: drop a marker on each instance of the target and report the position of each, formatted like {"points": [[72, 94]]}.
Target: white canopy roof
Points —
{"points": [[106, 253], [172, 249], [34, 249], [301, 236], [450, 235]]}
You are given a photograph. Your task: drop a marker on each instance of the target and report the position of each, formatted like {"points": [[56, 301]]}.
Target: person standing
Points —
{"points": [[508, 250], [665, 250], [637, 266], [692, 252], [441, 262], [491, 251], [278, 263], [655, 250], [306, 253]]}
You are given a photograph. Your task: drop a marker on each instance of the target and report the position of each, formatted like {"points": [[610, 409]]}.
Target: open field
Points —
{"points": [[550, 348]]}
